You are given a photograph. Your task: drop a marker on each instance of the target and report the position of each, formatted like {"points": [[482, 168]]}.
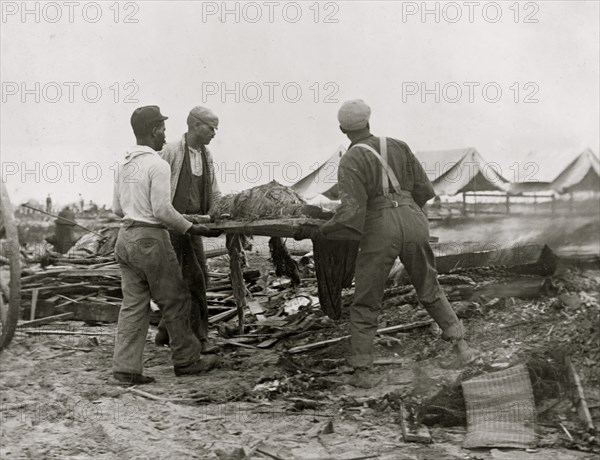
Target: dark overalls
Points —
{"points": [[395, 226]]}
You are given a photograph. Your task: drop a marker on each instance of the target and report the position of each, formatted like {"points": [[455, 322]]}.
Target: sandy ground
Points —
{"points": [[57, 401]]}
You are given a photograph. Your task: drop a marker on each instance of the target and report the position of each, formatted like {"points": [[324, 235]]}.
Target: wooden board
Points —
{"points": [[285, 227]]}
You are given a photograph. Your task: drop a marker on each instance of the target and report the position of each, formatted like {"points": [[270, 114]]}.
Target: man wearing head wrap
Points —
{"points": [[193, 191], [383, 189]]}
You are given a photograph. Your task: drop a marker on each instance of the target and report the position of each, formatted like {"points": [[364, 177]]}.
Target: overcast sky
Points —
{"points": [[276, 74]]}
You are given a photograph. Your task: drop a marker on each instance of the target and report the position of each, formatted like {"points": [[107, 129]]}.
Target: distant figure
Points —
{"points": [[93, 207], [81, 203], [64, 237], [48, 203]]}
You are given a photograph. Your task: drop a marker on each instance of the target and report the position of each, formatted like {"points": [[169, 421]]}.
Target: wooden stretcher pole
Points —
{"points": [[234, 246]]}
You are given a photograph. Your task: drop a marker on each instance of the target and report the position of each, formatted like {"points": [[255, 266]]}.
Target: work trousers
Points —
{"points": [[190, 255], [149, 269], [390, 232]]}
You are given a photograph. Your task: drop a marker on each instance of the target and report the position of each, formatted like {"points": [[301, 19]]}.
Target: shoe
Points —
{"points": [[364, 378], [161, 339], [207, 349], [133, 379], [201, 366]]}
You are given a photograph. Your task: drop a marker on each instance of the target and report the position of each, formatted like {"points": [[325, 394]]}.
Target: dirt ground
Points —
{"points": [[57, 401]]}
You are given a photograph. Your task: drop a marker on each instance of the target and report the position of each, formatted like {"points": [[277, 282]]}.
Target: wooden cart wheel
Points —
{"points": [[10, 297]]}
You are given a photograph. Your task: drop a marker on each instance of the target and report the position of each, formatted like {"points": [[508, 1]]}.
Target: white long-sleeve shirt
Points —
{"points": [[142, 190]]}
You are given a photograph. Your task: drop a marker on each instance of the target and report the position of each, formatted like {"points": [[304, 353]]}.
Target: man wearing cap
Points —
{"points": [[149, 267], [383, 189], [193, 191]]}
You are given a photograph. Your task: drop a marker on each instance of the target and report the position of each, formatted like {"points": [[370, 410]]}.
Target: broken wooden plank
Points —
{"points": [[85, 273], [34, 298], [239, 344], [223, 316], [70, 301], [59, 332], [46, 320], [57, 287], [216, 295], [578, 396], [385, 330]]}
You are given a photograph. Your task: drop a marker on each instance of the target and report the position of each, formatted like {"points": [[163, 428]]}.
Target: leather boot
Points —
{"points": [[364, 378], [452, 330]]}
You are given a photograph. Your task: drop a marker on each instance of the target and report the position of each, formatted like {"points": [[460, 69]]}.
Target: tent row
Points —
{"points": [[457, 171]]}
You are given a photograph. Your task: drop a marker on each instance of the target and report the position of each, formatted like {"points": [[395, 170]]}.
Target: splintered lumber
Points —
{"points": [[58, 332], [234, 246], [86, 273], [285, 227], [70, 301], [578, 396], [46, 320], [58, 287], [385, 330], [223, 316]]}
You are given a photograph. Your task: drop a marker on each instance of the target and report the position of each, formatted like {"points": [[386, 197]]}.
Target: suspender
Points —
{"points": [[386, 171]]}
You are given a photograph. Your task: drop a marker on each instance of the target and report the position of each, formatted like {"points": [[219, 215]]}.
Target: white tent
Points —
{"points": [[323, 180], [461, 170], [582, 174]]}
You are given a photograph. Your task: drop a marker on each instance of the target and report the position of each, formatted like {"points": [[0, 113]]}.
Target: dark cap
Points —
{"points": [[144, 116]]}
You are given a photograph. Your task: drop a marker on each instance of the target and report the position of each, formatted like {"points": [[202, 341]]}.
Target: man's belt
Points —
{"points": [[392, 200], [137, 223]]}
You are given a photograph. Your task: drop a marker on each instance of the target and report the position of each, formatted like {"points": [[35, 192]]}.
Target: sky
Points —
{"points": [[516, 80]]}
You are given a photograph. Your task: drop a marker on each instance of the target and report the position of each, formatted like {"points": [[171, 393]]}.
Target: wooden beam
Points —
{"points": [[578, 397], [266, 227], [34, 298], [46, 320], [222, 316], [385, 330]]}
